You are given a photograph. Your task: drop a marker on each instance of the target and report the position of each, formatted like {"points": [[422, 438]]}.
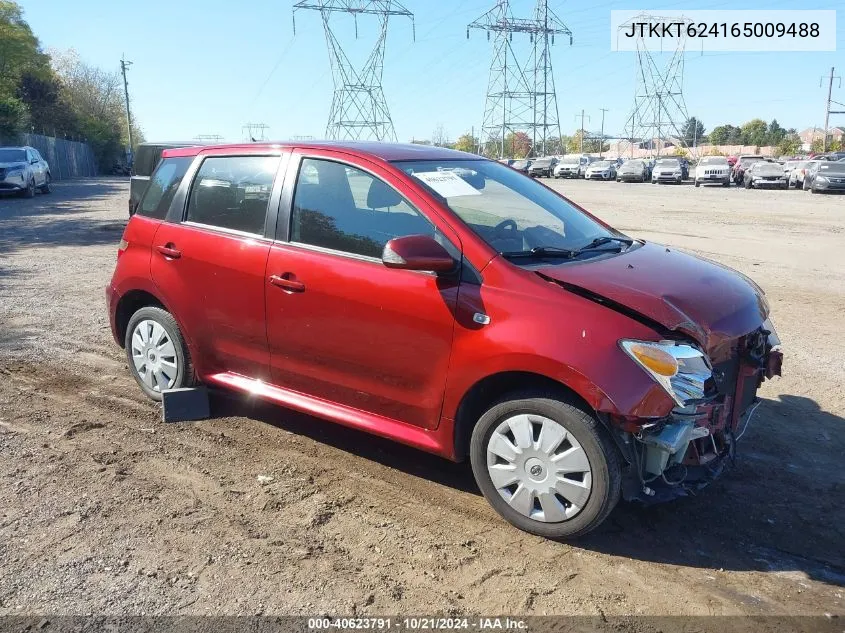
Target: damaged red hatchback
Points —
{"points": [[450, 303]]}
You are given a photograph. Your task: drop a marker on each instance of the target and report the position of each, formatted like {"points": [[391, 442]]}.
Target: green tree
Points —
{"points": [[789, 145], [817, 146], [693, 132], [755, 132], [12, 118], [466, 143], [775, 133], [726, 135]]}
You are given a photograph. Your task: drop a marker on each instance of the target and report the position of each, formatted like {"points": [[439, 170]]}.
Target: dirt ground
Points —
{"points": [[106, 510]]}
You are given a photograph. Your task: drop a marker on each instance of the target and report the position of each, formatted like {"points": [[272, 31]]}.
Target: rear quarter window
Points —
{"points": [[163, 185]]}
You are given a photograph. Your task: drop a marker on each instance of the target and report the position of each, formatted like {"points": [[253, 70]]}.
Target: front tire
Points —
{"points": [[697, 184], [156, 352], [545, 465], [29, 192], [45, 188]]}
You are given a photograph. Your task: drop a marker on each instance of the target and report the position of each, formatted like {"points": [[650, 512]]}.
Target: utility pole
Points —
{"points": [[601, 140], [830, 100], [124, 63], [582, 115]]}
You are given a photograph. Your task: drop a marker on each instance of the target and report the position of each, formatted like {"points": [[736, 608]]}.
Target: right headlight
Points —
{"points": [[680, 369]]}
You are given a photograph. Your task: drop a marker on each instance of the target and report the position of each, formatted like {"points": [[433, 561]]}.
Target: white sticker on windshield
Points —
{"points": [[447, 183]]}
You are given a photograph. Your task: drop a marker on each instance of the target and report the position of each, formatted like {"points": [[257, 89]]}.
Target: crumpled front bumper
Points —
{"points": [[681, 454]]}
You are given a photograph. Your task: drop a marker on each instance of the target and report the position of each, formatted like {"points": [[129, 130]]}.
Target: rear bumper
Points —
{"points": [[112, 299]]}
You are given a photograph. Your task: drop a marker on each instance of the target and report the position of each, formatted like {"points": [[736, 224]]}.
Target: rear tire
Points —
{"points": [[576, 500], [156, 352]]}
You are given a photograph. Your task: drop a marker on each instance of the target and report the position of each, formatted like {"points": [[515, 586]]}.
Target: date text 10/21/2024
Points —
{"points": [[418, 624]]}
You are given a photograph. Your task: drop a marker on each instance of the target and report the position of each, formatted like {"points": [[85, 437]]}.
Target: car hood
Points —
{"points": [[633, 169], [774, 170], [678, 291], [13, 164]]}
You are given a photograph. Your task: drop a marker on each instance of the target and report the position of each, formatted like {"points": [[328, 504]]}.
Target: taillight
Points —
{"points": [[121, 247]]}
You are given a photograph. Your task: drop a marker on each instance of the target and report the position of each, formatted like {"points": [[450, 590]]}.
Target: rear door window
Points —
{"points": [[232, 192], [163, 186]]}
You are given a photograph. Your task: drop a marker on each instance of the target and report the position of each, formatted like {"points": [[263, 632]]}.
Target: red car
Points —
{"points": [[450, 303]]}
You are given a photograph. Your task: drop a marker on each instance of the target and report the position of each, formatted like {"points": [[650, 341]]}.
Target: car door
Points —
{"points": [[33, 167], [341, 326], [209, 261]]}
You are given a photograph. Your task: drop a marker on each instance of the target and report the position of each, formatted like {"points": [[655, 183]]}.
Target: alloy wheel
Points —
{"points": [[539, 468]]}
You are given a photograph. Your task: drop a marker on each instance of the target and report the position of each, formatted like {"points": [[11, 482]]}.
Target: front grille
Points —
{"points": [[714, 172]]}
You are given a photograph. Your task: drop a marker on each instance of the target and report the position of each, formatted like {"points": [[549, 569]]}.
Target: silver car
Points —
{"points": [[23, 170]]}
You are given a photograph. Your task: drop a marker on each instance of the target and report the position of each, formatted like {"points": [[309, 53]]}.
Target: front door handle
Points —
{"points": [[287, 282], [168, 251]]}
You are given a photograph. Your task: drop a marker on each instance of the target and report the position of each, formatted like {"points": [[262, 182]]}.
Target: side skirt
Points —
{"points": [[437, 441]]}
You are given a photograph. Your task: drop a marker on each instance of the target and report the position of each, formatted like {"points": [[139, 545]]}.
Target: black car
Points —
{"points": [[543, 167], [828, 176], [633, 171], [521, 165], [147, 158]]}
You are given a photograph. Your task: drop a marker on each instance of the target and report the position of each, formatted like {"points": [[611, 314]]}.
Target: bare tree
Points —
{"points": [[440, 136]]}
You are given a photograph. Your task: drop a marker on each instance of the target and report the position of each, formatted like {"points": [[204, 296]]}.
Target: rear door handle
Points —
{"points": [[168, 251], [287, 282]]}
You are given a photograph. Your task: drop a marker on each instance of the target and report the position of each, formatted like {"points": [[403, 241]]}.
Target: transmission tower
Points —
{"points": [[359, 110], [659, 111], [255, 132], [521, 96]]}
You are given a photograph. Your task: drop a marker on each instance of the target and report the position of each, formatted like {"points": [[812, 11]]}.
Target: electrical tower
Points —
{"points": [[255, 132], [521, 95], [208, 138], [659, 113], [359, 110]]}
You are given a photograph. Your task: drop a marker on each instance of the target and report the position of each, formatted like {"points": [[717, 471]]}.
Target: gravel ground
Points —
{"points": [[105, 510]]}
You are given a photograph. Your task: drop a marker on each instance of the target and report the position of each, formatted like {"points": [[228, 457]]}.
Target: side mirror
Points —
{"points": [[34, 161], [417, 252]]}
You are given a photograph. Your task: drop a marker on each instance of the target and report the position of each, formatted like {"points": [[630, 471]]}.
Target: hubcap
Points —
{"points": [[154, 355], [539, 468]]}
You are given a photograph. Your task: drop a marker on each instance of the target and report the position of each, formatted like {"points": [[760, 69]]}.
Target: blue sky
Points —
{"points": [[210, 66]]}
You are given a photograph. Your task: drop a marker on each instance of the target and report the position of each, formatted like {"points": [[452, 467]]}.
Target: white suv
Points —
{"points": [[713, 169], [22, 170]]}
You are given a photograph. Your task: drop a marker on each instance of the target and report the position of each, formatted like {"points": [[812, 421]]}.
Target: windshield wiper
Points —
{"points": [[542, 251], [599, 241]]}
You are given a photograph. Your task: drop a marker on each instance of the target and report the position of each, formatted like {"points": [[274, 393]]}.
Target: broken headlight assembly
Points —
{"points": [[681, 369]]}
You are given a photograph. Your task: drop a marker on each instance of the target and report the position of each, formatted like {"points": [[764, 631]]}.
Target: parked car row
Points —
{"points": [[752, 171]]}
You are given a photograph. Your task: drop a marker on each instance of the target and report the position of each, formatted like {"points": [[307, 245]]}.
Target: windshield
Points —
{"points": [[602, 164], [519, 164], [667, 162], [541, 162], [714, 160], [12, 156], [570, 160], [510, 212], [832, 168], [633, 164], [750, 160]]}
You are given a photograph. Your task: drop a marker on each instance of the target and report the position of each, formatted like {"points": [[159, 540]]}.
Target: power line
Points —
{"points": [[359, 110]]}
